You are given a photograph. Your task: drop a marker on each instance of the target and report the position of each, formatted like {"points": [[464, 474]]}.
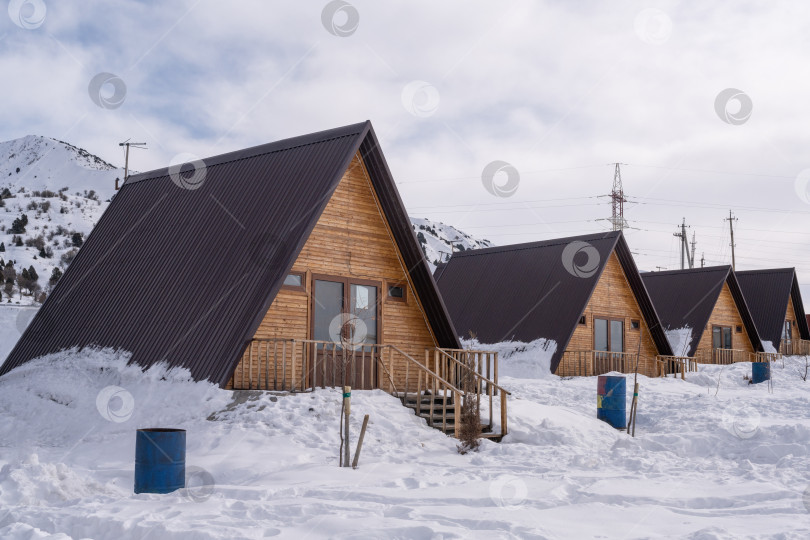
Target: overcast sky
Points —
{"points": [[557, 90]]}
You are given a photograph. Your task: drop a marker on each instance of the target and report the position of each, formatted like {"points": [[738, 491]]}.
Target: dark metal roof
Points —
{"points": [[768, 293], [686, 298], [529, 291], [184, 276]]}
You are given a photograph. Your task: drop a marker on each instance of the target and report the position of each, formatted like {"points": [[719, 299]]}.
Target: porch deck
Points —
{"points": [[438, 385]]}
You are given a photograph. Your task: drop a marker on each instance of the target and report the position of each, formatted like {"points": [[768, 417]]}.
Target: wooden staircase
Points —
{"points": [[440, 413]]}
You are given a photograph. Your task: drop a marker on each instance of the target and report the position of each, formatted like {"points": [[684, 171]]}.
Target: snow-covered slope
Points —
{"points": [[438, 240], [39, 163], [62, 191]]}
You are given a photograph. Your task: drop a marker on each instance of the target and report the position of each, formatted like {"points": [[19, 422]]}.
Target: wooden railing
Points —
{"points": [[587, 363], [450, 374], [764, 357], [664, 365], [732, 356], [721, 356], [476, 374], [794, 347]]}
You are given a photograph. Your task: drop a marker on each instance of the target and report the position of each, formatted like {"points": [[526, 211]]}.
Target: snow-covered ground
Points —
{"points": [[13, 321], [705, 463]]}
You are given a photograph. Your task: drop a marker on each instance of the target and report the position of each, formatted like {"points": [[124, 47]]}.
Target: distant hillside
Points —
{"points": [[438, 240], [51, 195]]}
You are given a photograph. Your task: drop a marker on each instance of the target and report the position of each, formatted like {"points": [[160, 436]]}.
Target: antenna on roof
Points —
{"points": [[127, 144]]}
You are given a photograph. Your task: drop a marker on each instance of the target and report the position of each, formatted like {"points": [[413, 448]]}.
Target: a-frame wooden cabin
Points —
{"points": [[583, 292], [775, 301], [705, 314], [287, 266]]}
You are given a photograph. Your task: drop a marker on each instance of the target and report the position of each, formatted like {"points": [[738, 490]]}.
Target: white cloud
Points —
{"points": [[541, 85]]}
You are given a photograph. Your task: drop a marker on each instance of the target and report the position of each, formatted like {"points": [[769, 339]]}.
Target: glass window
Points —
{"points": [[721, 337], [600, 334], [328, 305], [616, 336], [364, 307], [294, 280], [396, 291]]}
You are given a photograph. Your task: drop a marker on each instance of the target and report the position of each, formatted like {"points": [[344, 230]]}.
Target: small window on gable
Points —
{"points": [[739, 329], [294, 280], [635, 324], [396, 292], [582, 320]]}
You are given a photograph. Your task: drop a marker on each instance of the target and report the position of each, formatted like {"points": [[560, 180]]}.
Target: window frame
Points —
{"points": [[401, 285], [347, 283], [730, 334], [635, 324], [298, 288], [609, 320]]}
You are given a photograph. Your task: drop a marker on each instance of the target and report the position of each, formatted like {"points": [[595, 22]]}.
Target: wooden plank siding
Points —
{"points": [[725, 313], [613, 298], [351, 240]]}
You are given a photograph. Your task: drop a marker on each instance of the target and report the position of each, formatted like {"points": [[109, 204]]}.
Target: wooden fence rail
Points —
{"points": [[792, 347]]}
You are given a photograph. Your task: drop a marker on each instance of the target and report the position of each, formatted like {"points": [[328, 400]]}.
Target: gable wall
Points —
{"points": [[613, 298], [349, 240], [725, 313]]}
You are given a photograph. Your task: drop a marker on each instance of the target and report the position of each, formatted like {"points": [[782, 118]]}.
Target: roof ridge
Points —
{"points": [[687, 270], [533, 245], [254, 151], [767, 271]]}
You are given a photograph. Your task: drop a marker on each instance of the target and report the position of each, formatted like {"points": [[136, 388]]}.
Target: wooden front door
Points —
{"points": [[345, 314]]}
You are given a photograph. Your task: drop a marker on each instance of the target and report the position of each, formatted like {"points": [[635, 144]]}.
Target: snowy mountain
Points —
{"points": [[438, 240], [40, 163], [52, 194]]}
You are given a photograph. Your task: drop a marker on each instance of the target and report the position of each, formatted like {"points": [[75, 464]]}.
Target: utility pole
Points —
{"points": [[661, 268], [692, 256], [127, 144], [731, 219], [702, 260], [685, 254]]}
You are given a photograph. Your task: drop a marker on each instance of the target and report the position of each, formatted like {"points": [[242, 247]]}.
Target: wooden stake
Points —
{"points": [[347, 401], [360, 442]]}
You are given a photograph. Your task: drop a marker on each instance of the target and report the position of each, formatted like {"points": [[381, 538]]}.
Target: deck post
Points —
{"points": [[293, 366], [456, 413], [503, 413], [391, 369]]}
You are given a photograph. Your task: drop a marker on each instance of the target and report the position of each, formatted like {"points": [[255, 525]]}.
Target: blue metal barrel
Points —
{"points": [[760, 372], [160, 460], [610, 400]]}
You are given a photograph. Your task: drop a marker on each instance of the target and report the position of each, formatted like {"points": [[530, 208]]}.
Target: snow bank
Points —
{"points": [[518, 359], [705, 463]]}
